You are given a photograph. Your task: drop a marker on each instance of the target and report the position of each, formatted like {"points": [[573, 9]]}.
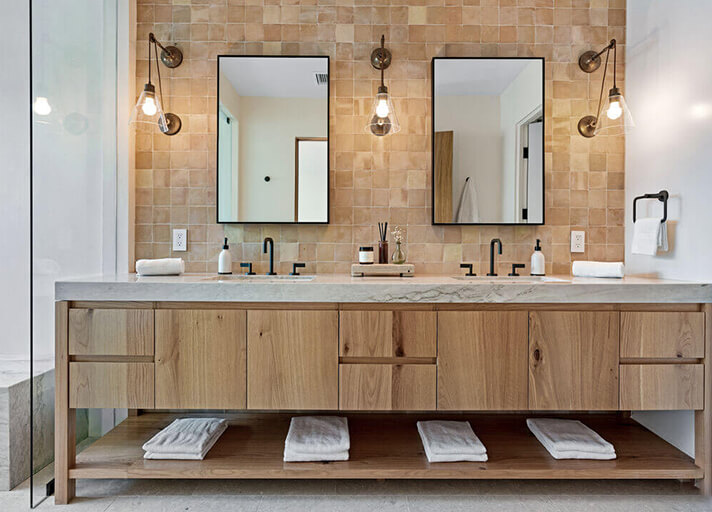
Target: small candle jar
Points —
{"points": [[365, 255]]}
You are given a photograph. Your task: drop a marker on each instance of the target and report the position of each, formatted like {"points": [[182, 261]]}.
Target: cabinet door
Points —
{"points": [[111, 332], [573, 360], [292, 360], [119, 385], [388, 334], [482, 360], [387, 387], [200, 359]]}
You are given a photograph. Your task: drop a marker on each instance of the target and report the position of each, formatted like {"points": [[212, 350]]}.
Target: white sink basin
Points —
{"points": [[242, 278], [510, 279]]}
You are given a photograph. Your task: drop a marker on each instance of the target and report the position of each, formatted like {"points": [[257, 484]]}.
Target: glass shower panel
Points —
{"points": [[74, 77]]}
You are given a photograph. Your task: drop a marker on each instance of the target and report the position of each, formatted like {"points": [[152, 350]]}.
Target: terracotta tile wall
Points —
{"points": [[372, 178]]}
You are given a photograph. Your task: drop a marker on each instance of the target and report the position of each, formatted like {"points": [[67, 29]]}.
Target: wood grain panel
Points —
{"points": [[482, 360], [65, 419], [443, 176], [121, 332], [293, 360], [573, 360], [388, 333], [201, 359], [111, 385], [660, 334], [662, 386], [386, 387]]}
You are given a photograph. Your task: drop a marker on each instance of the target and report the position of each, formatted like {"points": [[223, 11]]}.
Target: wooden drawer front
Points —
{"points": [[388, 334], [201, 359], [111, 332], [387, 387], [111, 385], [662, 334], [661, 386]]}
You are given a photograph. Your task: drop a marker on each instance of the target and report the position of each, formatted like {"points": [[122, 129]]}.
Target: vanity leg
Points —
{"points": [[64, 418], [703, 418]]}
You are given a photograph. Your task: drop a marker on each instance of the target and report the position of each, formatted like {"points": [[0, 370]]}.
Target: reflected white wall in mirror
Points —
{"points": [[273, 129], [488, 140]]}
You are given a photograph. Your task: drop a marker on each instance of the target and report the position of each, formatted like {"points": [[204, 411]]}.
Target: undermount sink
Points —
{"points": [[242, 278], [510, 279]]}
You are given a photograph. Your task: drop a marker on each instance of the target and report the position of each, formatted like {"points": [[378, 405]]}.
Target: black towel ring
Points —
{"points": [[661, 196]]}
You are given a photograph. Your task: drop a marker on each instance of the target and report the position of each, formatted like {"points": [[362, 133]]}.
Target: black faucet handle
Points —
{"points": [[248, 266], [469, 267], [295, 266], [516, 266]]}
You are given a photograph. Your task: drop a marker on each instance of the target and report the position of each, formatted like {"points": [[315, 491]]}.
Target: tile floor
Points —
{"points": [[369, 496]]}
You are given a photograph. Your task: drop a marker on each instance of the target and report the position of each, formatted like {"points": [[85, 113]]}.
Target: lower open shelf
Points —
{"points": [[383, 446]]}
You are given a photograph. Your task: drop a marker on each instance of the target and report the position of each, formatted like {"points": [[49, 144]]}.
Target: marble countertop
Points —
{"points": [[418, 289]]}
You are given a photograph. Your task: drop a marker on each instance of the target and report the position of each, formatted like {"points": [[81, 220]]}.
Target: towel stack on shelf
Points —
{"points": [[451, 441], [317, 438], [570, 439], [185, 439]]}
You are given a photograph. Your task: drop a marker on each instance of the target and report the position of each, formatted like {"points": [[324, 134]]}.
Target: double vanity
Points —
{"points": [[385, 352]]}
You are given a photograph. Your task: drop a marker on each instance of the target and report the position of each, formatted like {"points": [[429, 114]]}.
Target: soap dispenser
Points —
{"points": [[225, 260], [537, 266]]}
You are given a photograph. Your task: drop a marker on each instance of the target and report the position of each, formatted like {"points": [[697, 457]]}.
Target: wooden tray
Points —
{"points": [[383, 269]]}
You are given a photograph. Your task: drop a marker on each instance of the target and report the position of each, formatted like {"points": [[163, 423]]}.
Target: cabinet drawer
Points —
{"points": [[661, 386], [662, 334], [111, 385], [387, 387], [388, 334], [111, 332]]}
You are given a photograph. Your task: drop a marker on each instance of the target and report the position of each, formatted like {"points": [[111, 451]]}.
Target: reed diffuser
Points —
{"points": [[383, 242]]}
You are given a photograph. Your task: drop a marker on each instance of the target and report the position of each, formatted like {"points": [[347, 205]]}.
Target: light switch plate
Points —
{"points": [[180, 240], [578, 241]]}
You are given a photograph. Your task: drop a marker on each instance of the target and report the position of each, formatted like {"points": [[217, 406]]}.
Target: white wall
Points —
{"points": [[14, 180], [519, 100], [268, 128], [476, 147], [669, 92]]}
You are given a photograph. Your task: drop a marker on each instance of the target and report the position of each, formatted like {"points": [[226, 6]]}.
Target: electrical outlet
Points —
{"points": [[578, 241], [180, 239]]}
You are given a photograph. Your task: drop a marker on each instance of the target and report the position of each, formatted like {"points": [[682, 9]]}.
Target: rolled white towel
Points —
{"points": [[451, 441], [185, 438], [598, 269], [160, 267], [317, 438], [570, 439]]}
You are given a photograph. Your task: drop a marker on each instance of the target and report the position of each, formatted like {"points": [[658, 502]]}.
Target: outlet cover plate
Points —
{"points": [[578, 241], [180, 240]]}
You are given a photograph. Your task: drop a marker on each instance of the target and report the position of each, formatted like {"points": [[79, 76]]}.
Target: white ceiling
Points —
{"points": [[278, 77], [467, 77]]}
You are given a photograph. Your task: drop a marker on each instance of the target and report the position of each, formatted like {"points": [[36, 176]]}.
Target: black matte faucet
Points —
{"points": [[492, 242], [270, 242]]}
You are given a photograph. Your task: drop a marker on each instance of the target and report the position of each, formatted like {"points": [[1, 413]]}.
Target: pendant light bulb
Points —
{"points": [[614, 109], [382, 109], [149, 106], [42, 106]]}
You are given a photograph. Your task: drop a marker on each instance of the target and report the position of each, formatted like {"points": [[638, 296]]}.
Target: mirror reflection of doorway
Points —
{"points": [[311, 184], [228, 163], [530, 175]]}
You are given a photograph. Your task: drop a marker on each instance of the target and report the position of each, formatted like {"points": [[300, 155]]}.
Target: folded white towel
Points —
{"points": [[598, 269], [185, 438], [290, 456], [648, 235], [451, 441], [317, 438], [570, 439], [160, 267]]}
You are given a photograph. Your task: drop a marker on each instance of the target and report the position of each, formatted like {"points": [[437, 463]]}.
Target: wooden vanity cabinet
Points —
{"points": [[388, 334], [482, 360], [200, 359], [292, 359], [573, 360]]}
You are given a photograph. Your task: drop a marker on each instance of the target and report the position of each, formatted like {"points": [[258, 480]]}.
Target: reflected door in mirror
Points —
{"points": [[488, 140], [273, 129]]}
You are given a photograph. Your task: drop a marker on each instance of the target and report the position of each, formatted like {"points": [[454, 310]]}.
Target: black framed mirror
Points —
{"points": [[488, 140], [273, 139]]}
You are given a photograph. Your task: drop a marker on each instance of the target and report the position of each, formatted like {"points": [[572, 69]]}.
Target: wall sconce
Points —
{"points": [[382, 119], [149, 107], [615, 107]]}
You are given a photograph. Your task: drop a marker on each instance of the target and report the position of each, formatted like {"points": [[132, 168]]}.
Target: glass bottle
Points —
{"points": [[398, 255]]}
